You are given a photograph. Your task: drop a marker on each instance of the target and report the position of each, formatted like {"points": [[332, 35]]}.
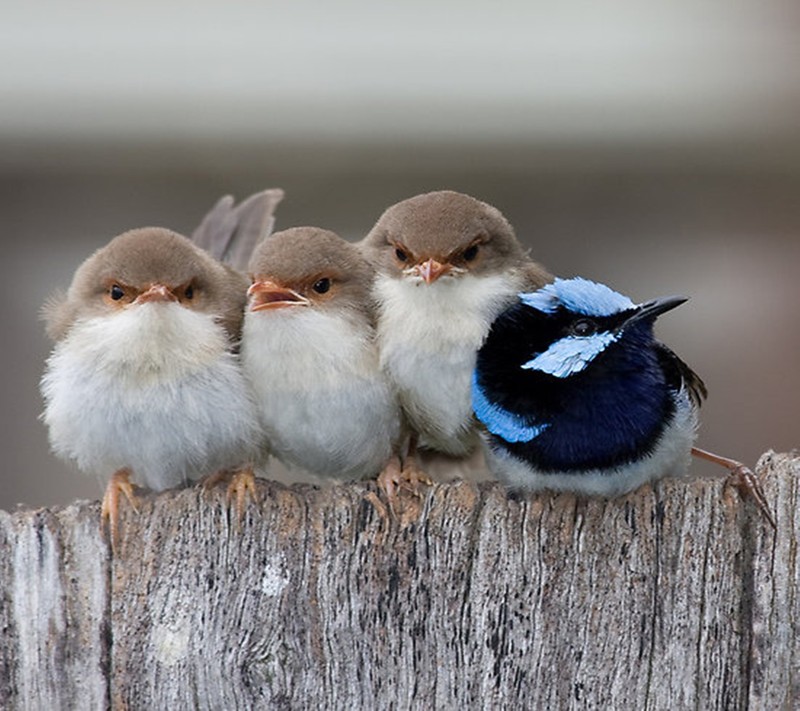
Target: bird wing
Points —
{"points": [[680, 375], [231, 233]]}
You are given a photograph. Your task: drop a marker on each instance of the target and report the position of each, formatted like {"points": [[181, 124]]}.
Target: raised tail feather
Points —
{"points": [[231, 233]]}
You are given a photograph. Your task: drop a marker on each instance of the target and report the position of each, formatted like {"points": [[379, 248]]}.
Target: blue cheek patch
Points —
{"points": [[500, 422], [571, 354]]}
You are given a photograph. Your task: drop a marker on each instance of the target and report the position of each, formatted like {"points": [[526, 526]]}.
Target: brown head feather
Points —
{"points": [[444, 226], [142, 257], [299, 257]]}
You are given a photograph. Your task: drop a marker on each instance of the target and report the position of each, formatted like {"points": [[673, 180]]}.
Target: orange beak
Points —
{"points": [[269, 295], [156, 293], [431, 270]]}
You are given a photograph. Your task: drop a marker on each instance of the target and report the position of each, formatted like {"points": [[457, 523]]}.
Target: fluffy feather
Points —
{"points": [[448, 264], [431, 359], [326, 407], [143, 377], [153, 388]]}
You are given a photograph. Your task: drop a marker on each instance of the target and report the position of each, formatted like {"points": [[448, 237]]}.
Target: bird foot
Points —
{"points": [[742, 479], [109, 508], [746, 483], [404, 488], [241, 486]]}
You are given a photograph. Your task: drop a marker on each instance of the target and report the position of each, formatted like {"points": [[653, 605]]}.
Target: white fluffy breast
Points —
{"points": [[429, 335], [325, 404], [148, 342], [153, 389]]}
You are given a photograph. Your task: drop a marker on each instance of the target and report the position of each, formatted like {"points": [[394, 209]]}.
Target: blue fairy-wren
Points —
{"points": [[576, 394]]}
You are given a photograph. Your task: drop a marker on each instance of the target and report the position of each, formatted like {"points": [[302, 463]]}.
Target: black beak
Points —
{"points": [[654, 308]]}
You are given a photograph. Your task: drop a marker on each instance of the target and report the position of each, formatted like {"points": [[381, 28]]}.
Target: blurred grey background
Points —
{"points": [[656, 148]]}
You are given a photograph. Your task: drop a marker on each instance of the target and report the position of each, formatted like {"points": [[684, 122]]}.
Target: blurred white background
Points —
{"points": [[656, 148]]}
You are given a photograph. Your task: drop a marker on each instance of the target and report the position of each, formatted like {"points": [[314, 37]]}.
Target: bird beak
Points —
{"points": [[155, 294], [654, 308], [269, 295], [431, 270]]}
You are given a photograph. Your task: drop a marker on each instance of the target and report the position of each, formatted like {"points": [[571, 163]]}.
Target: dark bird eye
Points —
{"points": [[583, 327], [470, 253], [116, 292], [322, 285], [189, 293], [400, 254]]}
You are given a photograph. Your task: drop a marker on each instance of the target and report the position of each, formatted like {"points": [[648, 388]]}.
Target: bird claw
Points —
{"points": [[389, 479], [747, 484], [377, 504], [413, 481], [109, 508], [241, 486], [402, 486], [742, 479]]}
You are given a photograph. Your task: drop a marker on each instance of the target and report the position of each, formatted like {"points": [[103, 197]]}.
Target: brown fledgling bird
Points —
{"points": [[447, 264], [309, 350], [143, 381]]}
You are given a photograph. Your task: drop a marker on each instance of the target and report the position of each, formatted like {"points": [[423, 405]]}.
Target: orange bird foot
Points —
{"points": [[109, 509], [404, 488], [241, 487]]}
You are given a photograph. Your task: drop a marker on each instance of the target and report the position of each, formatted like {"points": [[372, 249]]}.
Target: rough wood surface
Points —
{"points": [[677, 596]]}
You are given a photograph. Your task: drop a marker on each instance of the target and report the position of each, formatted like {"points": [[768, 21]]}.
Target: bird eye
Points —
{"points": [[470, 253], [189, 292], [322, 285], [116, 292], [400, 254], [583, 327]]}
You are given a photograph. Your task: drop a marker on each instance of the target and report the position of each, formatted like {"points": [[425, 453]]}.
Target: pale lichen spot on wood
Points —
{"points": [[273, 580], [171, 641]]}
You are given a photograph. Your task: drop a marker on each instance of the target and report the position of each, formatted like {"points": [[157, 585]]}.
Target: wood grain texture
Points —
{"points": [[676, 596], [54, 616]]}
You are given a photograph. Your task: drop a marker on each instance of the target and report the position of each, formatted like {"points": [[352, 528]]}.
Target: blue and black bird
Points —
{"points": [[576, 394]]}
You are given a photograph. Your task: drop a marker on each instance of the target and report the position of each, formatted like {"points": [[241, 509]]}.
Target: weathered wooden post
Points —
{"points": [[677, 596]]}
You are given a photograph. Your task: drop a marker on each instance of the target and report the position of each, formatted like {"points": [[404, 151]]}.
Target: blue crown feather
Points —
{"points": [[500, 422], [581, 296]]}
